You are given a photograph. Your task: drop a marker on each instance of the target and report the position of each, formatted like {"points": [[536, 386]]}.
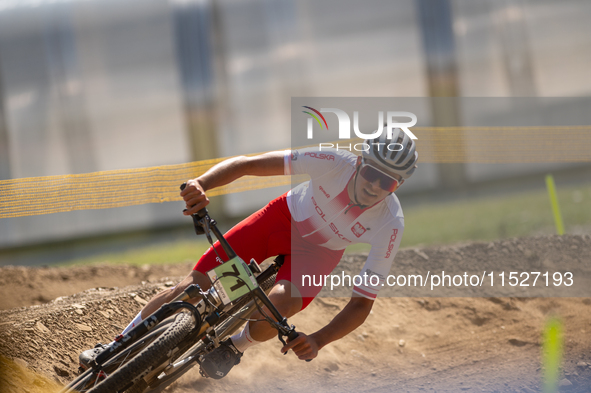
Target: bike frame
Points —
{"points": [[205, 335], [193, 353], [202, 220]]}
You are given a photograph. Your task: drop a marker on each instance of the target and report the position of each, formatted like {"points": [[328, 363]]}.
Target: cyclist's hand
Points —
{"points": [[194, 197], [305, 347]]}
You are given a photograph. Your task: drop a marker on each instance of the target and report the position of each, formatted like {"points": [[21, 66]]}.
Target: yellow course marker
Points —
{"points": [[554, 202], [552, 354]]}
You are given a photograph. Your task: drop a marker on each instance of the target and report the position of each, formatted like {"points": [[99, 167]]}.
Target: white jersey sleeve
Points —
{"points": [[311, 162], [384, 247]]}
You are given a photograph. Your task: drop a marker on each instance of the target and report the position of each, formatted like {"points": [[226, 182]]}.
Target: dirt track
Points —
{"points": [[447, 344]]}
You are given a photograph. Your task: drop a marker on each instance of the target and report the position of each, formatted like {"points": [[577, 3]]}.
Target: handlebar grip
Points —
{"points": [[293, 335], [201, 213]]}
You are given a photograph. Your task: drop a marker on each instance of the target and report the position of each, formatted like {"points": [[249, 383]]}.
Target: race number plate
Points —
{"points": [[232, 280]]}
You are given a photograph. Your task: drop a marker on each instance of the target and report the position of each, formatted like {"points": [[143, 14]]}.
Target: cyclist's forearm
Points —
{"points": [[222, 173], [227, 171], [349, 319]]}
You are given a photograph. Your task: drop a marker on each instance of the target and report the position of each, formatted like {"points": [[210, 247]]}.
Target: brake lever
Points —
{"points": [[291, 335], [280, 336]]}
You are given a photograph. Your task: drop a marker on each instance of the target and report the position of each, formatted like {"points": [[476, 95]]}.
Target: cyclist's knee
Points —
{"points": [[200, 279], [286, 297], [194, 277]]}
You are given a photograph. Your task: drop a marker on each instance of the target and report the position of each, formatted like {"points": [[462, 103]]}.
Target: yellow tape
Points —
{"points": [[494, 145], [100, 190]]}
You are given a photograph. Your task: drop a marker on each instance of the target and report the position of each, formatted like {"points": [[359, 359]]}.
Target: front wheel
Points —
{"points": [[139, 387], [125, 370], [148, 359], [92, 377], [230, 321]]}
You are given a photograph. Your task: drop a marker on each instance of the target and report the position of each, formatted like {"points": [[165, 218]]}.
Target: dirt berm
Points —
{"points": [[407, 344]]}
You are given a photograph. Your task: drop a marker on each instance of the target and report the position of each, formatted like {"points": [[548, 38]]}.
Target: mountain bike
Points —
{"points": [[176, 337]]}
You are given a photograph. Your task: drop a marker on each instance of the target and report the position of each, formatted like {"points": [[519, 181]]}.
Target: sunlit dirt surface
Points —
{"points": [[451, 344]]}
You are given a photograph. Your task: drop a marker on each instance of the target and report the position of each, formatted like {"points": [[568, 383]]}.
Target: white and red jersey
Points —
{"points": [[324, 214]]}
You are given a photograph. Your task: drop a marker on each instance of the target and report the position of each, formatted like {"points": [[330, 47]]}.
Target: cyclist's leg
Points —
{"points": [[195, 277], [263, 234]]}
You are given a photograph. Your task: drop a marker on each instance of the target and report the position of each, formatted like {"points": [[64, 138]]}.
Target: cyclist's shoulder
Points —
{"points": [[325, 154], [392, 210]]}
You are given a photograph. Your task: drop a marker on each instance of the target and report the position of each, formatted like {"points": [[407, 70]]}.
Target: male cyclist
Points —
{"points": [[348, 200]]}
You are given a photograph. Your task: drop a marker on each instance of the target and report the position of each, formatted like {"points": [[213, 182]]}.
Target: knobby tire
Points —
{"points": [[152, 356], [265, 285], [122, 377], [87, 380], [138, 387]]}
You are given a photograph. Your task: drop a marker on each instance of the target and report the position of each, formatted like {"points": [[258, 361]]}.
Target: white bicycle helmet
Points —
{"points": [[397, 155]]}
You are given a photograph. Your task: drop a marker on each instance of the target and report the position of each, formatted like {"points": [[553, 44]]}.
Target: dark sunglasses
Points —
{"points": [[371, 174]]}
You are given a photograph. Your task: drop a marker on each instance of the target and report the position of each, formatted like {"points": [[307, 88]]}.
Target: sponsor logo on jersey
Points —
{"points": [[339, 234], [321, 156], [324, 192], [318, 209], [358, 229], [391, 243], [294, 155]]}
